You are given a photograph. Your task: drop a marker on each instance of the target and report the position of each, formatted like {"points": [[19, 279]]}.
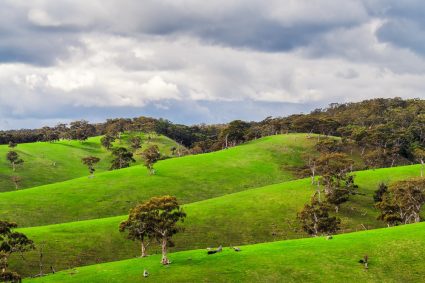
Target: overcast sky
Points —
{"points": [[194, 61]]}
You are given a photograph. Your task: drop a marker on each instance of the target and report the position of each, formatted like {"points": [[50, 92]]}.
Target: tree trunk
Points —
{"points": [[422, 167], [143, 249], [315, 225], [4, 262], [13, 166], [164, 259]]}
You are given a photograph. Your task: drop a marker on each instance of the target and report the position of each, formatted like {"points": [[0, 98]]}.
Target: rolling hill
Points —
{"points": [[247, 217], [46, 163], [395, 255], [191, 178]]}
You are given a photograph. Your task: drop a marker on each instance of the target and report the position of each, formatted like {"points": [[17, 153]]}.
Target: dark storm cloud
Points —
{"points": [[203, 61], [41, 35]]}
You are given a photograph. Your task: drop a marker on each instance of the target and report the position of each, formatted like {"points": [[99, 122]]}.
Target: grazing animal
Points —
{"points": [[145, 273], [210, 251], [365, 261], [236, 249], [329, 237]]}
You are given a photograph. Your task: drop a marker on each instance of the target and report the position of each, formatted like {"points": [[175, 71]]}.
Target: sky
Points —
{"points": [[194, 61]]}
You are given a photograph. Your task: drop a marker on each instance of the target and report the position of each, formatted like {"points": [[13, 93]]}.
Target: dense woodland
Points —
{"points": [[389, 131]]}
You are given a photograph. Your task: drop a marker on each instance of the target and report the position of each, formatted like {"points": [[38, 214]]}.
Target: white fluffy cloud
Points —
{"points": [[64, 60]]}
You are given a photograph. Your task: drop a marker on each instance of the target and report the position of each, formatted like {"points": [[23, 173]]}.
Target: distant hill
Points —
{"points": [[51, 162], [191, 178]]}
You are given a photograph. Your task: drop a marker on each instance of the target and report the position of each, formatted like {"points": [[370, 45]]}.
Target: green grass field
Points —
{"points": [[395, 255], [252, 216], [46, 163], [190, 178], [240, 196]]}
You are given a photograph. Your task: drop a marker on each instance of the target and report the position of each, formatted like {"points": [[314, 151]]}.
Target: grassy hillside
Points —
{"points": [[190, 178], [252, 216], [395, 255], [47, 163]]}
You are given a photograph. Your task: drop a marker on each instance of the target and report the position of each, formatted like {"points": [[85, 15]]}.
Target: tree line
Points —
{"points": [[389, 131]]}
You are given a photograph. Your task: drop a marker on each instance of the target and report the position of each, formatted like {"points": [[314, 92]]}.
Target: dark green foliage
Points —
{"points": [[12, 144], [122, 159], [90, 161], [135, 143], [151, 155], [14, 159], [234, 133], [315, 218], [328, 145], [155, 219], [338, 184], [402, 202], [107, 141], [81, 130], [379, 193], [11, 242], [10, 276]]}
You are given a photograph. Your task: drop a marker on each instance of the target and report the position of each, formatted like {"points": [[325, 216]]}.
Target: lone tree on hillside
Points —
{"points": [[107, 141], [90, 161], [151, 155], [16, 181], [135, 143], [155, 219], [315, 218], [14, 159], [122, 159], [11, 242], [338, 184], [402, 202], [12, 144]]}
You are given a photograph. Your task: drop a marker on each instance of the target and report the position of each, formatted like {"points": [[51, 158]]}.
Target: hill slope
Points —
{"points": [[190, 178], [46, 163], [252, 216], [395, 255]]}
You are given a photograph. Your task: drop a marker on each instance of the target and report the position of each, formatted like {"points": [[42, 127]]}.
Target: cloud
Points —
{"points": [[194, 61]]}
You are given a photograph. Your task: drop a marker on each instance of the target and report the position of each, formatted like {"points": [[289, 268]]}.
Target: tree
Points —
{"points": [[135, 143], [139, 226], [403, 201], [151, 155], [14, 159], [81, 130], [90, 161], [419, 154], [11, 242], [107, 141], [122, 159], [16, 180], [380, 192], [338, 184], [234, 133], [315, 218], [155, 219], [12, 144]]}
